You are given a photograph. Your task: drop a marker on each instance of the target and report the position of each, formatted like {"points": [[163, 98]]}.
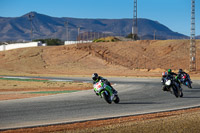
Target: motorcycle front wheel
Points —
{"points": [[181, 95], [176, 91], [189, 84]]}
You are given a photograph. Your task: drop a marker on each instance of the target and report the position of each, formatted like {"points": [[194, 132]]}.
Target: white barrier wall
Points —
{"points": [[20, 45], [2, 47], [75, 42]]}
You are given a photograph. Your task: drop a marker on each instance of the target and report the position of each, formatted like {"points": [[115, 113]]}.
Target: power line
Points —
{"points": [[135, 25], [30, 17], [192, 39], [66, 30]]}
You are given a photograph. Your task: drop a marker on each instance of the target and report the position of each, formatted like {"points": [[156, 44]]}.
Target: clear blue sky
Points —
{"points": [[175, 14]]}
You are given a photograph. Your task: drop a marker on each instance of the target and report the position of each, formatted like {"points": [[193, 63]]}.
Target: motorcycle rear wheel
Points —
{"points": [[116, 100], [107, 98]]}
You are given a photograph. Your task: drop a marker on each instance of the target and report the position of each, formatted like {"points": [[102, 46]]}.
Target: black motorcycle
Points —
{"points": [[185, 79], [171, 85]]}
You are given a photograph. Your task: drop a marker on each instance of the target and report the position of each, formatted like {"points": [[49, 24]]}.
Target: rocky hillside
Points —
{"points": [[44, 26], [108, 58]]}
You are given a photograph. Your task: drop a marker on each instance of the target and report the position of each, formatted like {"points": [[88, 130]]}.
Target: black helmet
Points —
{"points": [[180, 71], [95, 76]]}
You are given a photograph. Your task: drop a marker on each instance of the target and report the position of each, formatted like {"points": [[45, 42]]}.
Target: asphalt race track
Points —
{"points": [[137, 96]]}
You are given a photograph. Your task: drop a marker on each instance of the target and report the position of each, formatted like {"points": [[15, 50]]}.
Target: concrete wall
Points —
{"points": [[75, 42], [2, 47], [20, 45]]}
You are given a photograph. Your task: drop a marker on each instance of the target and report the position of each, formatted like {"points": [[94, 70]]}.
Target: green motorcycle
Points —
{"points": [[105, 91]]}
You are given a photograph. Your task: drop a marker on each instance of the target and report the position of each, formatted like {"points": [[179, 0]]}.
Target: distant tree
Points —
{"points": [[41, 40], [133, 36], [51, 42], [129, 35]]}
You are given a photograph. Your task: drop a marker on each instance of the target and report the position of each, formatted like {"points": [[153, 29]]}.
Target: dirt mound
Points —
{"points": [[131, 58]]}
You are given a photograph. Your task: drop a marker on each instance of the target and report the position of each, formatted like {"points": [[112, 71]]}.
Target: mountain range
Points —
{"points": [[65, 28]]}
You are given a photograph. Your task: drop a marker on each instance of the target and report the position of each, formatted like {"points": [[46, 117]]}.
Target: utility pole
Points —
{"points": [[135, 26], [66, 32], [78, 38], [154, 34], [30, 17], [192, 39]]}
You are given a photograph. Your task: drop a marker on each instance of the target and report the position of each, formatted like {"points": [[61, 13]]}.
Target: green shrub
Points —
{"points": [[107, 39], [51, 42]]}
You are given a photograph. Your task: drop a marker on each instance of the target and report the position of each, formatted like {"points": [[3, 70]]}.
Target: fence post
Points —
{"points": [[4, 47]]}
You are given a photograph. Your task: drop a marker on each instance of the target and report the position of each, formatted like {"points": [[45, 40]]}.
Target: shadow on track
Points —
{"points": [[138, 103], [192, 90], [191, 97]]}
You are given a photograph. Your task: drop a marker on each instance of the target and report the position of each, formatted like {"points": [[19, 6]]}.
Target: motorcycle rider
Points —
{"points": [[163, 80], [170, 75], [164, 75], [96, 78], [181, 73]]}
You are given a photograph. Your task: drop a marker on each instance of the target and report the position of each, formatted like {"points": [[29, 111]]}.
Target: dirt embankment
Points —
{"points": [[112, 58]]}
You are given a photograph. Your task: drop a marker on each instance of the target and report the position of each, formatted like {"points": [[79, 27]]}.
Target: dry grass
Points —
{"points": [[182, 123]]}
